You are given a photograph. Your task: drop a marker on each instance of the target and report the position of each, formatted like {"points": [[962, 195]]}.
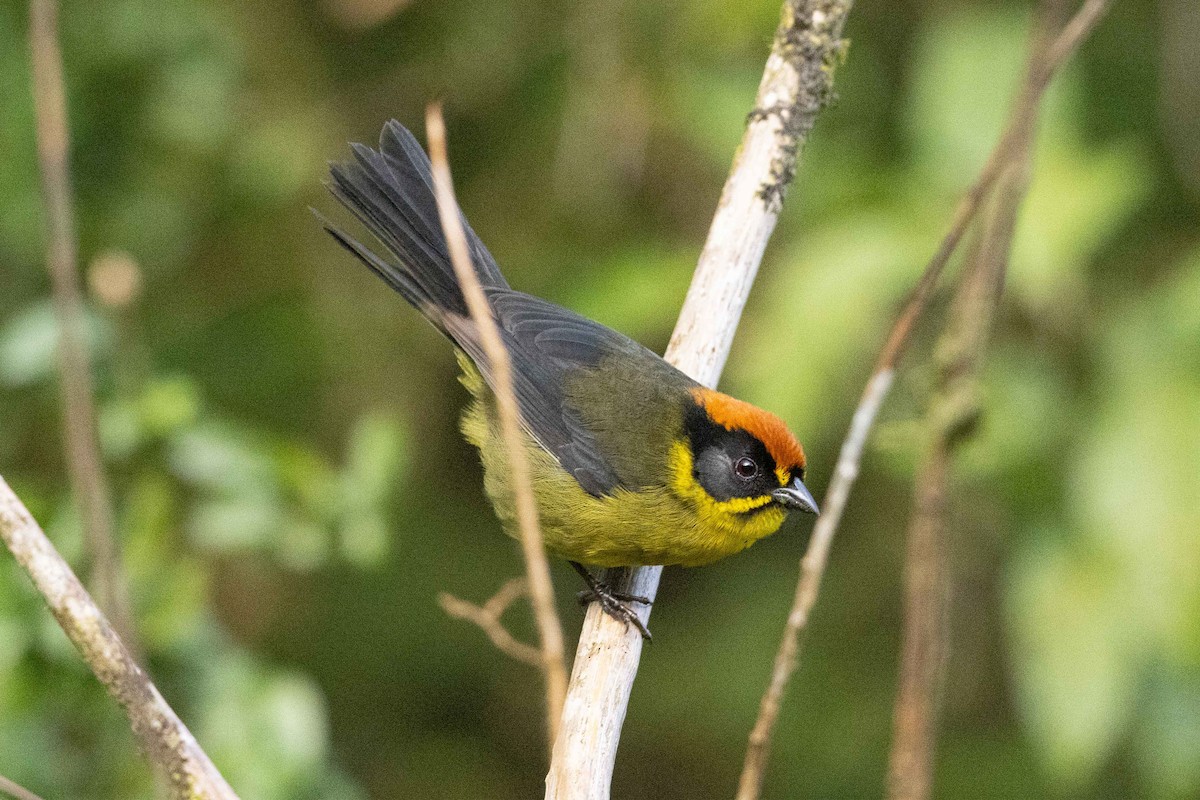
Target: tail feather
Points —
{"points": [[401, 150], [395, 277], [383, 203], [391, 192]]}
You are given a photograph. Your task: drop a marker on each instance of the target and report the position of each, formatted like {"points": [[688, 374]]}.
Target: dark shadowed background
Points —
{"points": [[280, 429]]}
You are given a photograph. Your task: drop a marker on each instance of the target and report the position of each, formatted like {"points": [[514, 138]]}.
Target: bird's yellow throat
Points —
{"points": [[746, 518]]}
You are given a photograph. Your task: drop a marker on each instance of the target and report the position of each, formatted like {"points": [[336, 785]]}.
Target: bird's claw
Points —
{"points": [[586, 596], [613, 603]]}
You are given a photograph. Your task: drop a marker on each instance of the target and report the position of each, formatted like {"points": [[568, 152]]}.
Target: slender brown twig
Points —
{"points": [[79, 415], [166, 742], [487, 617], [925, 643], [16, 790], [1041, 73], [796, 84], [953, 410], [812, 566], [541, 590], [925, 640]]}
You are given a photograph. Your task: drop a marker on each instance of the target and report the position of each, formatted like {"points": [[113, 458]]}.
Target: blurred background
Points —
{"points": [[280, 429]]}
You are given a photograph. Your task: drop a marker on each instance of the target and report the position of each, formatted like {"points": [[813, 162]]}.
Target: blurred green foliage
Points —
{"points": [[281, 431]]}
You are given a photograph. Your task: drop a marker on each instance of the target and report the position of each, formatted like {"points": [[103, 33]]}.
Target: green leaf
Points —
{"points": [[120, 429], [824, 306], [1075, 656], [173, 604], [301, 545], [635, 290], [222, 459], [1077, 200], [29, 344], [364, 540], [373, 461], [267, 728], [294, 711], [235, 523], [967, 67], [168, 404], [1169, 737], [195, 104]]}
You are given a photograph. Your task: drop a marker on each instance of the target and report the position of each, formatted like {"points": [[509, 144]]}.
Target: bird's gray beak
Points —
{"points": [[796, 496]]}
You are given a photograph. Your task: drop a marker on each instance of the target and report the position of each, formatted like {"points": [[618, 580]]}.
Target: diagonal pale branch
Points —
{"points": [[541, 590], [812, 566], [165, 741], [796, 84], [16, 790]]}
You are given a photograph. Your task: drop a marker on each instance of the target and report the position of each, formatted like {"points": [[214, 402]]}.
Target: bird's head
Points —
{"points": [[745, 461]]}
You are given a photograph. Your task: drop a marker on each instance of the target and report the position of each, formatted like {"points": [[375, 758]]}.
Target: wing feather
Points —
{"points": [[548, 344]]}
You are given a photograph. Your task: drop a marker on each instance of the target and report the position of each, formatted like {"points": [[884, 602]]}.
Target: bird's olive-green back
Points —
{"points": [[635, 408]]}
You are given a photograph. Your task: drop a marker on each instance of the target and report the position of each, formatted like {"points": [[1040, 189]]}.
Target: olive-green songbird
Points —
{"points": [[632, 461]]}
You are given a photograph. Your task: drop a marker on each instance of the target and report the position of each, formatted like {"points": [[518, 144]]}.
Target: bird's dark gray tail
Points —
{"points": [[391, 193]]}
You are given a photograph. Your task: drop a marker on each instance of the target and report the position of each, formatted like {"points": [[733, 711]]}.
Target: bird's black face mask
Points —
{"points": [[729, 463]]}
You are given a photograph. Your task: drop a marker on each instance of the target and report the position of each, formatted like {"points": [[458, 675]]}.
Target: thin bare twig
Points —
{"points": [[812, 566], [796, 84], [541, 590], [166, 742], [16, 790], [1039, 77], [79, 416], [952, 414], [953, 411], [487, 617], [925, 643]]}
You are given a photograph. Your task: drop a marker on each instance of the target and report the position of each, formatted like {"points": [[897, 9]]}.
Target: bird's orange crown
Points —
{"points": [[731, 414]]}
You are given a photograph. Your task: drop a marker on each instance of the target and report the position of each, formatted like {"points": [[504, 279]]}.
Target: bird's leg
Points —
{"points": [[613, 603]]}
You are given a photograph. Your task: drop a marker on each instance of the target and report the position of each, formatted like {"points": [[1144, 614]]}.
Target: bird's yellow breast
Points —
{"points": [[675, 523]]}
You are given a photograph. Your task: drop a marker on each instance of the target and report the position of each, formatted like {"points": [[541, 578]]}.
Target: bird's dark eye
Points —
{"points": [[745, 468]]}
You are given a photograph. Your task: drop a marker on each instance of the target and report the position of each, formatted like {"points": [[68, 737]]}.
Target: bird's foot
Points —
{"points": [[612, 602], [586, 596]]}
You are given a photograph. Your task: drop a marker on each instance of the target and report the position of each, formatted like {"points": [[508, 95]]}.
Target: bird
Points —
{"points": [[632, 462]]}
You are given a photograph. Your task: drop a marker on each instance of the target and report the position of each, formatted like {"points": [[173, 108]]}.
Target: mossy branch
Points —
{"points": [[796, 84]]}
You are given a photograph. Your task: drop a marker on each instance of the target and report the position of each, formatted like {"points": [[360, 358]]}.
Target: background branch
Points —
{"points": [[163, 738], [812, 566], [79, 416], [16, 790], [541, 590], [487, 617], [950, 419], [796, 84]]}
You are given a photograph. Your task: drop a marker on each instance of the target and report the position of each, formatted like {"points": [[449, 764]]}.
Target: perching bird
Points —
{"points": [[632, 461]]}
